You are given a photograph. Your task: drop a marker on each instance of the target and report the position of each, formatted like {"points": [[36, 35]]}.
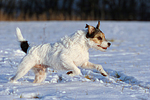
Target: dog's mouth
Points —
{"points": [[102, 47]]}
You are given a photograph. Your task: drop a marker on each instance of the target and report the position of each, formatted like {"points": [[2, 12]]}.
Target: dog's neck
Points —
{"points": [[80, 37]]}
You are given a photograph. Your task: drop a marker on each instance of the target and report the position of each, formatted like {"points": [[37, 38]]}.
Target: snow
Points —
{"points": [[127, 62]]}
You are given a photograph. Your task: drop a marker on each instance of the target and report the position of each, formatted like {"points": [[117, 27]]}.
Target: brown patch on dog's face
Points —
{"points": [[95, 34], [98, 38]]}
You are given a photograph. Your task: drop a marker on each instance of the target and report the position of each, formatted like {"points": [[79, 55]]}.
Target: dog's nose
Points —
{"points": [[109, 44]]}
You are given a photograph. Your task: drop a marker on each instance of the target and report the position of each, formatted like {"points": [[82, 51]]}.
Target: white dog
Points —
{"points": [[67, 54]]}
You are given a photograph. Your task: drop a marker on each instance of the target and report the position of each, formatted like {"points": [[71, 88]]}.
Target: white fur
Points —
{"points": [[67, 54], [19, 35]]}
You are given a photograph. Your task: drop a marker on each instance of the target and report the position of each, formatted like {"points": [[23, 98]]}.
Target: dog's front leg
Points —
{"points": [[69, 65], [90, 65], [74, 70]]}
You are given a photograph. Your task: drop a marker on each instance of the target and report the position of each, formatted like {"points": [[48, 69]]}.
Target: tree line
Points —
{"points": [[75, 10]]}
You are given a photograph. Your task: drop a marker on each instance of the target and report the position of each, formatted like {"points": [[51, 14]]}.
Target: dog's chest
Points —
{"points": [[81, 59], [79, 56]]}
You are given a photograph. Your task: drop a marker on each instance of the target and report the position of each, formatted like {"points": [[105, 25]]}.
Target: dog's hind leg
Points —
{"points": [[40, 73], [27, 63]]}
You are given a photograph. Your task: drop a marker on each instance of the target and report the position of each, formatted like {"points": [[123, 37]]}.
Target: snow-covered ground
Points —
{"points": [[127, 62]]}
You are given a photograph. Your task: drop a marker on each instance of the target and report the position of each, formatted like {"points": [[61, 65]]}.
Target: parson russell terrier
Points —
{"points": [[67, 54]]}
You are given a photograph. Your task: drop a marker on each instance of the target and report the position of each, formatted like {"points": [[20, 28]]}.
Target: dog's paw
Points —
{"points": [[74, 73], [101, 70], [104, 74], [69, 72], [13, 81]]}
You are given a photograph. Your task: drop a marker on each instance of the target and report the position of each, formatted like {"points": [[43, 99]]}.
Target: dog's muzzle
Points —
{"points": [[104, 47]]}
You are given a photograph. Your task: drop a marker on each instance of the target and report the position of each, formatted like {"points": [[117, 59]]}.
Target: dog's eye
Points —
{"points": [[99, 38]]}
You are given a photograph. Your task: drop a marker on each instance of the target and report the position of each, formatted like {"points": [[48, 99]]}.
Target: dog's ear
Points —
{"points": [[91, 29], [98, 25]]}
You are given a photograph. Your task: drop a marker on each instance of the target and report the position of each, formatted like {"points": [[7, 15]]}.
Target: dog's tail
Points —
{"points": [[23, 42]]}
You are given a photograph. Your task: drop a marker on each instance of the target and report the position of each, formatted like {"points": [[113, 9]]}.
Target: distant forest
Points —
{"points": [[26, 10]]}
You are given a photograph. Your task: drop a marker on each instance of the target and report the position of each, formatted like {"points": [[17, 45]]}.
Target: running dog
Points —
{"points": [[67, 54]]}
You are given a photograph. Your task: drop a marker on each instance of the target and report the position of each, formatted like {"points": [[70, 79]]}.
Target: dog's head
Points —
{"points": [[96, 37]]}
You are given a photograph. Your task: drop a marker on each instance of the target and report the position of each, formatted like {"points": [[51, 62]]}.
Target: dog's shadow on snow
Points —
{"points": [[119, 76], [122, 77], [114, 77]]}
